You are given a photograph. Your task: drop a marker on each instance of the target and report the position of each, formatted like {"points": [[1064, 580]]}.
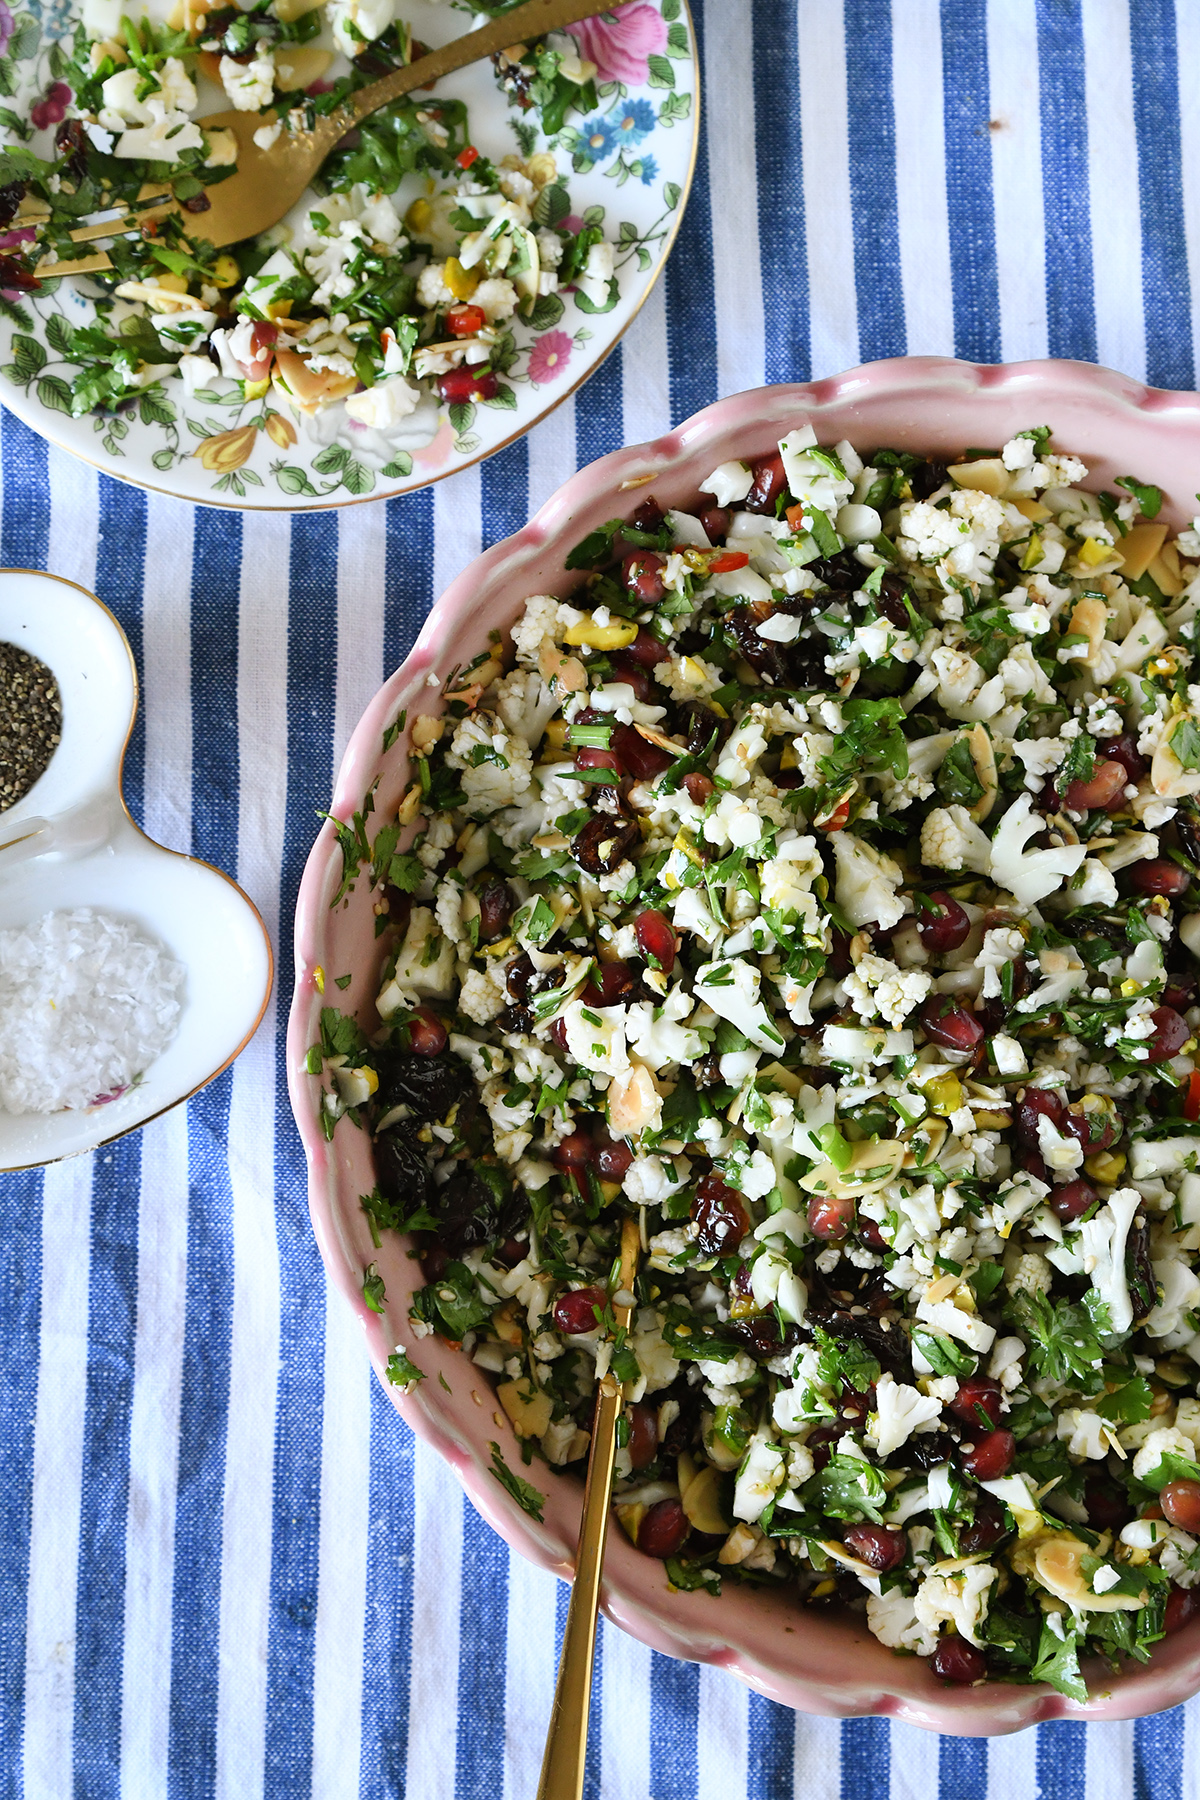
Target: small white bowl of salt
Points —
{"points": [[130, 975]]}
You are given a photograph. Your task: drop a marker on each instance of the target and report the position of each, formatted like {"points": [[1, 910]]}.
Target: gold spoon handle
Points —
{"points": [[566, 1740]]}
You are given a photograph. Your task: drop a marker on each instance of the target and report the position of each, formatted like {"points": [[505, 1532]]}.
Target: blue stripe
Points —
{"points": [[770, 1769], [1166, 287], [872, 134], [599, 426], [780, 182], [388, 1635], [866, 1759], [482, 1637], [25, 529], [1061, 1760], [504, 478], [408, 573], [120, 579], [674, 1711], [1070, 299], [962, 1768], [216, 584], [971, 214], [690, 290], [312, 664], [592, 1766], [1158, 1756], [20, 1307], [104, 1496]]}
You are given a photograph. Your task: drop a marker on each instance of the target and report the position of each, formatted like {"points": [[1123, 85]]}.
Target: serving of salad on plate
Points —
{"points": [[471, 251], [815, 879]]}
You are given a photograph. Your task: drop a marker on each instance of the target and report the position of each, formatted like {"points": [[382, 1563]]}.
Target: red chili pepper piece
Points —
{"points": [[465, 321], [466, 157], [1191, 1104], [731, 559]]}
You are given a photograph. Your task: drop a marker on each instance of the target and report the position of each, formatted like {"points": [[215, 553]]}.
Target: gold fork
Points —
{"points": [[267, 183]]}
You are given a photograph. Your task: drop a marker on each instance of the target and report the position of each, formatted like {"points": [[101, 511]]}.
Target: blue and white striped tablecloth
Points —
{"points": [[226, 1570]]}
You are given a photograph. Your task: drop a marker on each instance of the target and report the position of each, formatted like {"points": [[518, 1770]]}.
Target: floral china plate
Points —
{"points": [[624, 165]]}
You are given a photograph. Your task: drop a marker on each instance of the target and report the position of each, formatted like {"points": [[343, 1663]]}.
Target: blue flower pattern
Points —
{"points": [[649, 170], [598, 139], [636, 121]]}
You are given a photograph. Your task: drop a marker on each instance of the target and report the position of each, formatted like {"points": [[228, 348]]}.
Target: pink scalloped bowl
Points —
{"points": [[815, 1663]]}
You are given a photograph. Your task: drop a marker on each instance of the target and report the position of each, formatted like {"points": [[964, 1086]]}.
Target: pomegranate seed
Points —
{"points": [[1159, 876], [957, 1660], [1039, 1103], [943, 929], [656, 938], [715, 520], [558, 1033], [1072, 1199], [510, 1253], [457, 386], [641, 758], [1107, 783], [426, 1033], [663, 1529], [1180, 1501], [612, 985], [1180, 991], [645, 649], [1031, 1162], [877, 1546], [991, 1457], [611, 1160], [698, 787], [870, 1235], [1183, 1605], [1125, 751], [1171, 1033], [572, 1152], [769, 482], [985, 1529], [586, 757], [644, 686], [497, 904], [1106, 1502], [643, 1434], [434, 1262], [1094, 1130], [649, 516], [830, 1216], [947, 1023], [575, 1312], [979, 1393], [721, 1218], [820, 1444], [641, 571]]}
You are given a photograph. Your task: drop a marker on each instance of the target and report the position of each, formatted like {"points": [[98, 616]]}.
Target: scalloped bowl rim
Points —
{"points": [[814, 1664]]}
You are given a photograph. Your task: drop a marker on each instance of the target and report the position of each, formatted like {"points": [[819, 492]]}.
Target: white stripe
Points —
{"points": [[1187, 33], [1113, 171], [529, 1674], [457, 541], [727, 97], [254, 1330], [646, 386], [1012, 1766], [552, 445], [817, 1757], [154, 1454], [345, 1525], [914, 1762], [167, 661], [921, 179], [625, 1744], [1017, 177], [74, 493], [362, 587], [437, 1606], [829, 229], [1190, 1786], [1110, 1761], [722, 1736], [57, 1481]]}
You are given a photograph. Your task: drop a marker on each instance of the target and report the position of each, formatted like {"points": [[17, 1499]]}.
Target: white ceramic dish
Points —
{"points": [[70, 842], [637, 151]]}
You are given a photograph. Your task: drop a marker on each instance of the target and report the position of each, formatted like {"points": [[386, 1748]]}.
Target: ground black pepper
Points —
{"points": [[30, 721]]}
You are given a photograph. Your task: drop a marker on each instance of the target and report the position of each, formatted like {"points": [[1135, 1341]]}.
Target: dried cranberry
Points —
{"points": [[1039, 1103], [643, 1434], [820, 1442], [510, 1253], [716, 521], [978, 1394], [656, 938], [649, 516], [1072, 1199], [572, 1152], [604, 843], [611, 1159], [830, 1215], [700, 722], [991, 1457], [1171, 1033], [71, 140], [1180, 1501], [768, 481], [877, 1546], [926, 478], [986, 1528], [947, 1023], [575, 1311], [427, 1035], [942, 924], [957, 1660], [663, 1530], [1159, 876], [721, 1218], [642, 574], [468, 1213], [401, 1169], [643, 760], [458, 386], [889, 601], [1106, 1503], [1183, 1605], [11, 196], [497, 904], [15, 275], [428, 1084], [1124, 750], [199, 203]]}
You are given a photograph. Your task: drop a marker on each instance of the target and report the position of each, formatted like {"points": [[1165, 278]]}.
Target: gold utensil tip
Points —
{"points": [[266, 184], [566, 1740]]}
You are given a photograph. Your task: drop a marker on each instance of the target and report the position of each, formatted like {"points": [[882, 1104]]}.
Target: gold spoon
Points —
{"points": [[566, 1740], [267, 183]]}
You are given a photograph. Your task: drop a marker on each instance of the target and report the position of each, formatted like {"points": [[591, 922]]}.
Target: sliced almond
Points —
{"points": [[1089, 620], [701, 1503], [984, 758], [987, 476]]}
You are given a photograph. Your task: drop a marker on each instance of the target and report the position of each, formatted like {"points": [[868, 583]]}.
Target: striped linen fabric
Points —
{"points": [[226, 1568]]}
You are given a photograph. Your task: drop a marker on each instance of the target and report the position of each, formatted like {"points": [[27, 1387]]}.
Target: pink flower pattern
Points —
{"points": [[621, 47], [549, 356]]}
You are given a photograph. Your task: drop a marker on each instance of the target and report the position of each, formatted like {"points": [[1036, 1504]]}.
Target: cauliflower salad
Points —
{"points": [[812, 881], [395, 292]]}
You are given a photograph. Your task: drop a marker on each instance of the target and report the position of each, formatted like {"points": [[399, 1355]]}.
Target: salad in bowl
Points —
{"points": [[813, 877]]}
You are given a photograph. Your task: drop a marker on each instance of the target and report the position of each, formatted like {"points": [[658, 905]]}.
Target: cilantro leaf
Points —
{"points": [[1058, 1661], [524, 1493], [1063, 1339], [402, 1372], [1148, 497], [847, 1488], [844, 1359]]}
